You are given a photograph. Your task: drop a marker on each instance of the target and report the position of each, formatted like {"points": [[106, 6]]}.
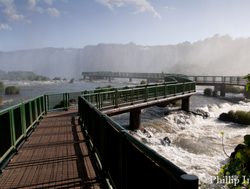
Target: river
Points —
{"points": [[196, 142]]}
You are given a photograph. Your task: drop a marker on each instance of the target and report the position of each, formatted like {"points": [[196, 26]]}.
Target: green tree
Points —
{"points": [[247, 77], [1, 87]]}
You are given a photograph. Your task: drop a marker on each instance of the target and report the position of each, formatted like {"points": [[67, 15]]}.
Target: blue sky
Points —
{"points": [[26, 24]]}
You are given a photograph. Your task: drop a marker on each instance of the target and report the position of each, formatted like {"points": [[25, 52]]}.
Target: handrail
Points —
{"points": [[128, 162], [16, 123], [120, 97], [124, 158], [229, 80]]}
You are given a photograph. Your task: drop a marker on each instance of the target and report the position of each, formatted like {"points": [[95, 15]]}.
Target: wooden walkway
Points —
{"points": [[54, 156]]}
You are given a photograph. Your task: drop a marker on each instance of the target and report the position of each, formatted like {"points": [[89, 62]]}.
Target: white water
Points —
{"points": [[196, 143]]}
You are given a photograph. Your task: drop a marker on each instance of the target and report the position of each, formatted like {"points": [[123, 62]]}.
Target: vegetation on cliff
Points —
{"points": [[12, 90], [238, 166], [22, 75]]}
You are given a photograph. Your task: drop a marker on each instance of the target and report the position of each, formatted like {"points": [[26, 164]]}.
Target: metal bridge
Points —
{"points": [[49, 149], [219, 82], [200, 80]]}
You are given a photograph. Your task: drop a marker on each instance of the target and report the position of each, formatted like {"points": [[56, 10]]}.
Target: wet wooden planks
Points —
{"points": [[54, 156]]}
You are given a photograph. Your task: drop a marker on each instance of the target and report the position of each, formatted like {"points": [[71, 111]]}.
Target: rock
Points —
{"points": [[225, 117], [201, 113], [247, 140], [165, 141]]}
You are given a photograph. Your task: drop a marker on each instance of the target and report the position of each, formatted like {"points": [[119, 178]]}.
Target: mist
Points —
{"points": [[217, 55]]}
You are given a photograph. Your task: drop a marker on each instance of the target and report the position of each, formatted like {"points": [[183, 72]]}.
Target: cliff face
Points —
{"points": [[219, 55]]}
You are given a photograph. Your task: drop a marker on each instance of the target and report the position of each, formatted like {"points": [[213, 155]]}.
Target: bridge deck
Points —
{"points": [[54, 156]]}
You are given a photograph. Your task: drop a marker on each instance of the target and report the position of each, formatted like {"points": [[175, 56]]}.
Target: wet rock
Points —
{"points": [[200, 112], [225, 117], [165, 141]]}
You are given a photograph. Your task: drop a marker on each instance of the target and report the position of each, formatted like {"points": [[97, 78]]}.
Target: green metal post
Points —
{"points": [[132, 96], [46, 103], [23, 119], [66, 101], [116, 98], [146, 94], [36, 112], [12, 127], [165, 90], [40, 105], [30, 110]]}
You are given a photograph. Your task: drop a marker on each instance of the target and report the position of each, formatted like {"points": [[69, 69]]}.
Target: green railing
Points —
{"points": [[128, 162], [228, 80], [16, 123], [122, 97], [123, 157], [61, 101]]}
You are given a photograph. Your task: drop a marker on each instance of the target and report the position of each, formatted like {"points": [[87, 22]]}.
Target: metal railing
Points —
{"points": [[122, 97], [128, 162], [123, 157], [229, 80], [16, 122]]}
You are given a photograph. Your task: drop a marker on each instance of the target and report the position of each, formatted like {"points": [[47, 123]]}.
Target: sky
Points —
{"points": [[29, 24]]}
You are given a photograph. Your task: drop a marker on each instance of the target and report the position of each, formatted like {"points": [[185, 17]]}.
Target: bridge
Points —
{"points": [[219, 82], [151, 77], [42, 147]]}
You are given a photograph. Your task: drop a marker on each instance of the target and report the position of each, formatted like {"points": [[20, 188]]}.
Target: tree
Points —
{"points": [[1, 87], [247, 77]]}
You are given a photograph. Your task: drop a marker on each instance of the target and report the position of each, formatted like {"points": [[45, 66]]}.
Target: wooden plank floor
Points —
{"points": [[54, 156]]}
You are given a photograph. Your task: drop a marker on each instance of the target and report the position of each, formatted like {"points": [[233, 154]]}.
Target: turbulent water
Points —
{"points": [[195, 142], [33, 89]]}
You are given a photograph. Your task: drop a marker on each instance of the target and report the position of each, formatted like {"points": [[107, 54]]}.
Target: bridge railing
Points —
{"points": [[122, 97], [15, 124], [61, 101], [230, 80], [128, 162]]}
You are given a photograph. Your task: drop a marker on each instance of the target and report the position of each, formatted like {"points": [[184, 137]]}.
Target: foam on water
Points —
{"points": [[196, 142]]}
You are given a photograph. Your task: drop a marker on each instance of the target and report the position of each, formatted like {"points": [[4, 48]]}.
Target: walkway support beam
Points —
{"points": [[223, 90], [135, 119], [185, 104]]}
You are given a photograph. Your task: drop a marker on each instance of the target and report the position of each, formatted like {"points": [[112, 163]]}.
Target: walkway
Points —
{"points": [[54, 156]]}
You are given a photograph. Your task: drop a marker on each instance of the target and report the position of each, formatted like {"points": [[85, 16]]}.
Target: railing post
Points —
{"points": [[12, 127], [23, 119], [36, 112], [165, 90], [66, 101], [116, 98], [31, 113], [98, 101], [189, 181], [132, 95], [146, 93], [46, 103], [155, 92]]}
